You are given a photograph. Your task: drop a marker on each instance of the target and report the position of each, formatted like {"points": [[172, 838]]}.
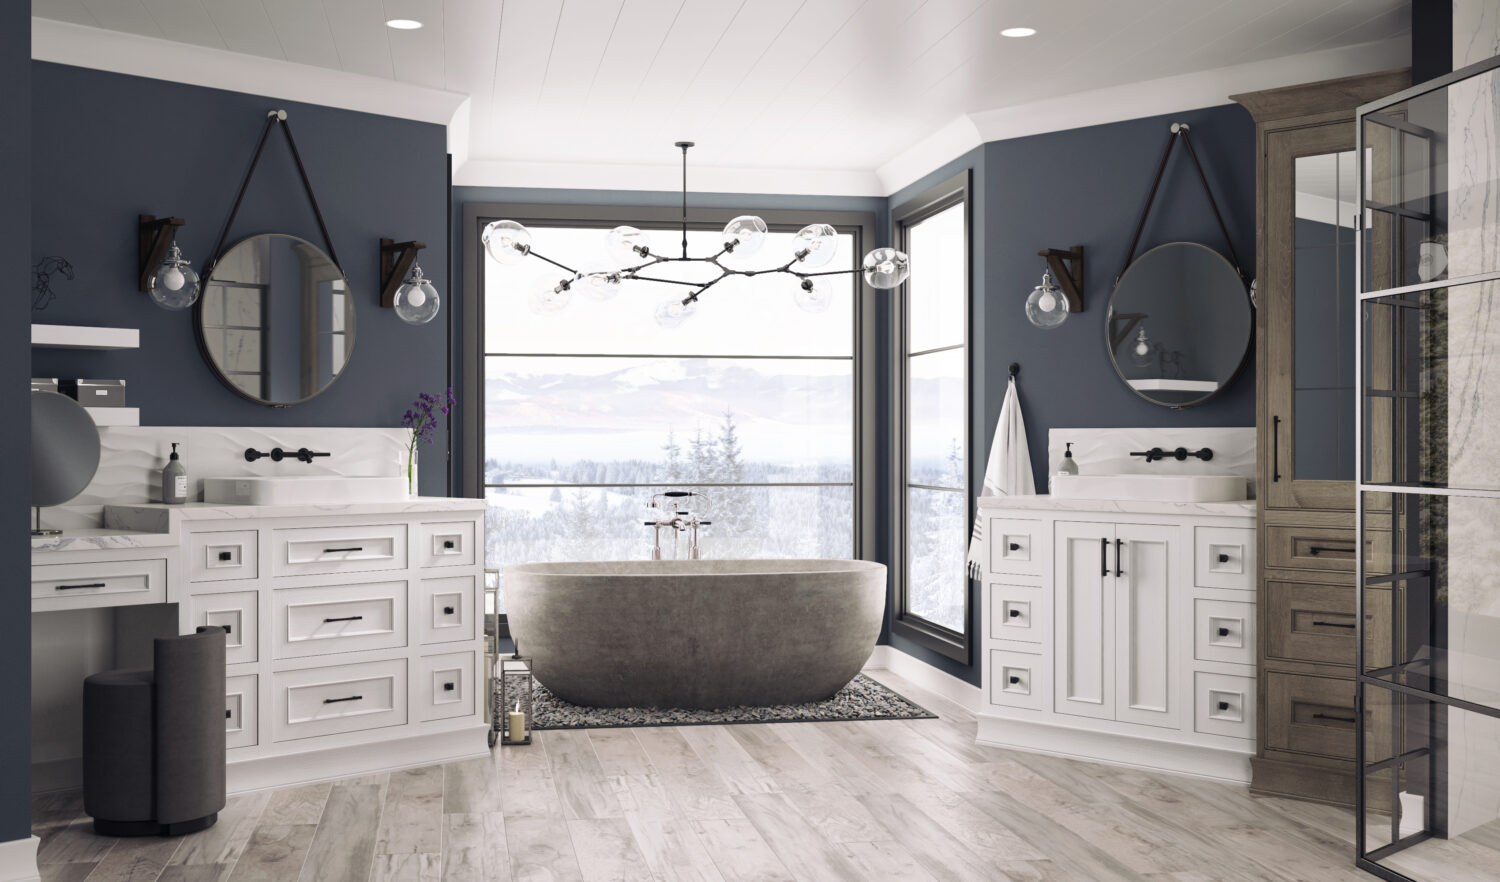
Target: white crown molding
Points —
{"points": [[119, 52], [579, 176], [927, 155]]}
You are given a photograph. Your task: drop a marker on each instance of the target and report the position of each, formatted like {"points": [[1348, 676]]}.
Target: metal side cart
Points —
{"points": [[1426, 338], [508, 676]]}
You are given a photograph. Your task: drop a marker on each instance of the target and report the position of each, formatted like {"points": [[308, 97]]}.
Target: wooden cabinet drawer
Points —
{"points": [[1310, 715], [445, 686], [223, 556], [1016, 547], [338, 618], [1018, 612], [1315, 623], [446, 544], [241, 711], [1224, 557], [446, 609], [307, 551], [107, 583], [1310, 548], [1018, 679], [1224, 704], [238, 613], [343, 698], [1224, 631]]}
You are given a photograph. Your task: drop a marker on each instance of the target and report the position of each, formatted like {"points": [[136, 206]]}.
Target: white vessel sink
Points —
{"points": [[1155, 488], [327, 489]]}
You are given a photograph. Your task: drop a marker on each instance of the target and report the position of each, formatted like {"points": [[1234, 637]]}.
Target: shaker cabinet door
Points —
{"points": [[1084, 582]]}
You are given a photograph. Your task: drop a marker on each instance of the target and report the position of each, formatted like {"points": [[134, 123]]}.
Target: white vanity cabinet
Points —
{"points": [[1121, 631]]}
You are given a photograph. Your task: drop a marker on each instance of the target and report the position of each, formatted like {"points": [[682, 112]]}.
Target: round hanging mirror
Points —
{"points": [[64, 451], [276, 319], [1179, 324]]}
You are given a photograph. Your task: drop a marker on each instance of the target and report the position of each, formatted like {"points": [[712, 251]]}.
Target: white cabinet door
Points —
{"points": [[1084, 583], [1145, 637]]}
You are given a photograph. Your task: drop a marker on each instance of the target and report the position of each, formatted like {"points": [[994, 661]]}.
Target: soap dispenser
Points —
{"points": [[174, 482], [1068, 466]]}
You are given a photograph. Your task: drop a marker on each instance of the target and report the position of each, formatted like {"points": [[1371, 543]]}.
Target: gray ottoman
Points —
{"points": [[153, 741]]}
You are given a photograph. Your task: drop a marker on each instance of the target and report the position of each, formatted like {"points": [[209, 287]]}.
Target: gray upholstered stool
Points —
{"points": [[153, 741]]}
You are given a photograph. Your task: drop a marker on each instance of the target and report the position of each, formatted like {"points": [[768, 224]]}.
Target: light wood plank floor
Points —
{"points": [[783, 801]]}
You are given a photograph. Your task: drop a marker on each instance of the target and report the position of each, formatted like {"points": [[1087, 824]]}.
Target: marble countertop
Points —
{"points": [[102, 540], [1043, 502]]}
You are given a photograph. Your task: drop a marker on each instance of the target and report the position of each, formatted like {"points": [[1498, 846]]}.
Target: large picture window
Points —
{"points": [[932, 600], [589, 410]]}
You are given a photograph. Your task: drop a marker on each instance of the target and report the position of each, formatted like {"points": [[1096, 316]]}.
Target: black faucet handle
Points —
{"points": [[1151, 455], [307, 455], [251, 454]]}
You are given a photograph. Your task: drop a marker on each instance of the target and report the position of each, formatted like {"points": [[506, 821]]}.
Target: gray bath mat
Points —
{"points": [[862, 699]]}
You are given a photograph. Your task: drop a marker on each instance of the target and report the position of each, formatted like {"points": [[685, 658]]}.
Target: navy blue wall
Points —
{"points": [[108, 147], [15, 441]]}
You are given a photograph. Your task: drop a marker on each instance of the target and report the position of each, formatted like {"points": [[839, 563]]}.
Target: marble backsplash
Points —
{"points": [[1107, 451], [131, 460]]}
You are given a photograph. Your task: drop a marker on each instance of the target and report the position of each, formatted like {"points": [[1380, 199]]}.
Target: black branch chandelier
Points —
{"points": [[509, 243]]}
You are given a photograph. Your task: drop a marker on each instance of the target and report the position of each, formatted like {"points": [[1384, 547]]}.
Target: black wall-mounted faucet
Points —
{"points": [[1179, 454], [277, 454]]}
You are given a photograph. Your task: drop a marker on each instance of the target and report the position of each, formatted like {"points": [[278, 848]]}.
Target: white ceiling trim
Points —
{"points": [[701, 179], [119, 52], [929, 154]]}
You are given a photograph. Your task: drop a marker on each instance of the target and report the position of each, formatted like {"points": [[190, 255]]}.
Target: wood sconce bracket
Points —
{"points": [[396, 259], [1067, 268], [155, 236]]}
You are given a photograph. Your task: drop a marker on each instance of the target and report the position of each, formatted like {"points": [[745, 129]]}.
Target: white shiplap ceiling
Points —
{"points": [[831, 90]]}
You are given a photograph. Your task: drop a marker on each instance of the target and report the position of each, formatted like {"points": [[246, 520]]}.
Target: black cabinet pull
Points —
{"points": [[1223, 632], [447, 687], [1223, 705], [447, 610], [228, 629], [344, 619], [1015, 614], [1275, 448], [1119, 553], [226, 555], [1014, 679], [228, 714], [1333, 624], [448, 543], [1333, 717], [1104, 555], [337, 550], [337, 700], [1336, 549], [1015, 546], [1223, 558], [74, 587]]}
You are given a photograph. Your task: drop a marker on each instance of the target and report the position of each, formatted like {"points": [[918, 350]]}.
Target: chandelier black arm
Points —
{"points": [[843, 272], [553, 262], [668, 281]]}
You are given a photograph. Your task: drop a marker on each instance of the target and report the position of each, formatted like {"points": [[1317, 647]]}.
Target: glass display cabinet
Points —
{"points": [[1428, 460]]}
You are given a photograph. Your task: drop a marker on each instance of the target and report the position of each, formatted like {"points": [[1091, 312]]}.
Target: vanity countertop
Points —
{"points": [[102, 540], [1122, 506]]}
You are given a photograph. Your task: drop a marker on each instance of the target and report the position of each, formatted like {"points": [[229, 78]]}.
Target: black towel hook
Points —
{"points": [[1014, 370]]}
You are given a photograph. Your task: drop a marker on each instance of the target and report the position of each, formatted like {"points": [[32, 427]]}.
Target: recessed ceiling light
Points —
{"points": [[1018, 32], [403, 24]]}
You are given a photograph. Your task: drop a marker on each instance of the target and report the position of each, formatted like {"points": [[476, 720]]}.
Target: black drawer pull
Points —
{"points": [[1336, 719], [1015, 546], [1104, 555], [1335, 549], [1014, 679], [344, 619], [447, 687], [1015, 614], [1223, 705], [1223, 632], [226, 555], [1275, 449], [1323, 624], [73, 587], [337, 550], [1223, 558], [448, 543], [447, 610], [1119, 555], [228, 629], [337, 700], [228, 714]]}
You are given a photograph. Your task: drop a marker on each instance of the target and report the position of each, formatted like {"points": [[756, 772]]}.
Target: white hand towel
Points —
{"points": [[1008, 472]]}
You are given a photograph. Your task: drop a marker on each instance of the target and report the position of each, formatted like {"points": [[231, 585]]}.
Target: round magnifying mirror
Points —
{"points": [[276, 319], [64, 451], [1179, 324]]}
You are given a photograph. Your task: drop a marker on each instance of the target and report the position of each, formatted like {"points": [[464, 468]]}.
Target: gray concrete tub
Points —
{"points": [[703, 633]]}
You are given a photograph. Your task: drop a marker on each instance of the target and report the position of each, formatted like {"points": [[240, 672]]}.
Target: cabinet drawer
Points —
{"points": [[445, 686], [1224, 705], [338, 618], [241, 716], [1015, 547], [221, 557], [1018, 679], [446, 609], [237, 612], [344, 698], [1310, 715], [1224, 631], [322, 550], [1310, 548], [108, 583], [1020, 613], [1224, 557], [446, 545], [1312, 623]]}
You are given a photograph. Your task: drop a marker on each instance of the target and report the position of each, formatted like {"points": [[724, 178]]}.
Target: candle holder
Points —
{"points": [[514, 699]]}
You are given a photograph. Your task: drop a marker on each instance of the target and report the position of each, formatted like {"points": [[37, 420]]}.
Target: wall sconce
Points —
{"points": [[164, 275], [402, 286], [1049, 304]]}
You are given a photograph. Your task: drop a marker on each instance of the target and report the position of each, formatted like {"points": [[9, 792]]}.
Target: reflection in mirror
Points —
{"points": [[276, 319], [1179, 324], [64, 451]]}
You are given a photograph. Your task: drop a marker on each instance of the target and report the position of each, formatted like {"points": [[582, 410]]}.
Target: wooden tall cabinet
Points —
{"points": [[1306, 316]]}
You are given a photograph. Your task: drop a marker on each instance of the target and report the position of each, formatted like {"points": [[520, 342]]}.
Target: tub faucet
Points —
{"points": [[672, 514]]}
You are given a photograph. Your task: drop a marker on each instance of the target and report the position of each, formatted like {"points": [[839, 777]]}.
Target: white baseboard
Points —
{"points": [[1197, 760], [960, 692], [287, 770], [18, 860]]}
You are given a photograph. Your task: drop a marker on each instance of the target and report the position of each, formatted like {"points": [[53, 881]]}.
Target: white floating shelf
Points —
{"points": [[84, 337], [115, 416], [1162, 385]]}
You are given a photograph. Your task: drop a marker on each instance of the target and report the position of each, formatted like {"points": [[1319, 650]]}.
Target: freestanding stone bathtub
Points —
{"points": [[696, 634]]}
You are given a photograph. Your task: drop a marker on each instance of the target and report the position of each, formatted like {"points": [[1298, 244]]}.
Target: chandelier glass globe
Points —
{"points": [[816, 245], [672, 312], [746, 233], [550, 294], [507, 242], [624, 244], [813, 295], [1046, 307], [416, 300], [885, 268], [175, 284], [600, 284]]}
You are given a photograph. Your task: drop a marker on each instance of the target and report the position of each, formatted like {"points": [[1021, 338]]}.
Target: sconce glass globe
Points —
{"points": [[1046, 307], [816, 244], [175, 284], [746, 233], [671, 313], [600, 284], [622, 244], [1140, 353], [416, 300], [885, 268], [550, 294], [813, 295], [507, 241]]}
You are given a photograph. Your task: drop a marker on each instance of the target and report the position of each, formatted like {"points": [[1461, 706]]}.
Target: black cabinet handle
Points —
{"points": [[1223, 558], [228, 714], [1349, 625], [447, 687], [1333, 717], [1119, 553], [448, 543], [1015, 614], [228, 629], [1223, 705], [337, 700], [1275, 448], [226, 555], [447, 610], [74, 587], [1014, 679], [1015, 546], [1223, 632], [344, 619], [1104, 555], [1336, 549], [337, 550]]}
